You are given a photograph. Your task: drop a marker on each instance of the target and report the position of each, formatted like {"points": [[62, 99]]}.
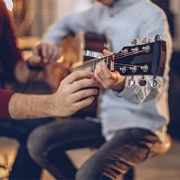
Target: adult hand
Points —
{"points": [[108, 79], [74, 93], [44, 53]]}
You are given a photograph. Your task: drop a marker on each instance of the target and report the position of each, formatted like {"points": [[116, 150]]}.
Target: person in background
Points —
{"points": [[17, 106], [132, 121]]}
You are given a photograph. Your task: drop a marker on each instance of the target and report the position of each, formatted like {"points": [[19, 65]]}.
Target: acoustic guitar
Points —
{"points": [[147, 58]]}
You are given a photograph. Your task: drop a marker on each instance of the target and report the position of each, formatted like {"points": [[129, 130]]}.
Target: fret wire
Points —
{"points": [[120, 55], [94, 66], [117, 55]]}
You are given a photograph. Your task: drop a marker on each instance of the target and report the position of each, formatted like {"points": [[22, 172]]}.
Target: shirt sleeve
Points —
{"points": [[138, 94], [58, 31], [69, 25], [4, 101], [9, 53]]}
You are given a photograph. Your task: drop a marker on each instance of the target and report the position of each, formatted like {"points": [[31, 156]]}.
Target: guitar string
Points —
{"points": [[108, 58], [122, 55]]}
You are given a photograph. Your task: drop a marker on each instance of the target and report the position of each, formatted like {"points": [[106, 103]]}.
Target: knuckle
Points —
{"points": [[85, 93], [83, 103], [88, 102], [108, 76], [76, 74], [104, 67], [91, 82], [62, 82], [64, 91], [98, 73], [109, 84], [78, 84], [95, 74], [76, 107]]}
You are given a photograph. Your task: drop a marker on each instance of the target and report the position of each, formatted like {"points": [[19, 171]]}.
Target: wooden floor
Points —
{"points": [[164, 167]]}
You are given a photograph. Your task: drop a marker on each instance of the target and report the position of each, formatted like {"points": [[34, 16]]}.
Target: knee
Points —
{"points": [[81, 174], [36, 143], [88, 171]]}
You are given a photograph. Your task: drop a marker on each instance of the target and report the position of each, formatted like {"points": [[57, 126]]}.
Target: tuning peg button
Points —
{"points": [[145, 68], [146, 40], [123, 69], [133, 69], [153, 82], [136, 41], [136, 49], [131, 82], [124, 51], [142, 81], [158, 38]]}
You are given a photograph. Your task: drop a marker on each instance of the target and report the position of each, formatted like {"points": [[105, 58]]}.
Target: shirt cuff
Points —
{"points": [[4, 102]]}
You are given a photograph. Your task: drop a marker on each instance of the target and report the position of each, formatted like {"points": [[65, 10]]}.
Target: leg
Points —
{"points": [[47, 144], [128, 148], [24, 167], [19, 130]]}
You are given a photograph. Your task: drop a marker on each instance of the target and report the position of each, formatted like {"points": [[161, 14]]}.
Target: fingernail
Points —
{"points": [[92, 97]]}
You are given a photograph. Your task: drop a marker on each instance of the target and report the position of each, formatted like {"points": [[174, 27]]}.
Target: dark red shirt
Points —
{"points": [[9, 56]]}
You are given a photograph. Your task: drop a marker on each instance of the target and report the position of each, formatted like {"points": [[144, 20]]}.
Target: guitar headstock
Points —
{"points": [[144, 58], [147, 58]]}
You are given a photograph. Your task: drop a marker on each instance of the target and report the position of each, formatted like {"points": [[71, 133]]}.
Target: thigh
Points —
{"points": [[66, 134], [126, 149]]}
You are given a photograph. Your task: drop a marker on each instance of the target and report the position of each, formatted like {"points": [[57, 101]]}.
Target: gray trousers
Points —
{"points": [[47, 145]]}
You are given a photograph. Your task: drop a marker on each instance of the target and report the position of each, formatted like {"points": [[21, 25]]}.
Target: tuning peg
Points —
{"points": [[142, 81], [158, 38], [124, 51], [133, 69], [146, 40], [145, 68], [123, 69], [153, 82], [136, 41], [131, 82]]}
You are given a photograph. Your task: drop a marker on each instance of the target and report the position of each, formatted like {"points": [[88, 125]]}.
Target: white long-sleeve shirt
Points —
{"points": [[138, 106]]}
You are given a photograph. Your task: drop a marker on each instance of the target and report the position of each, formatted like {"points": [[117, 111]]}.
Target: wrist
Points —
{"points": [[32, 67], [53, 107]]}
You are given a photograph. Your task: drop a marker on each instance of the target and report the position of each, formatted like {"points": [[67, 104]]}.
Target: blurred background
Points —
{"points": [[32, 18]]}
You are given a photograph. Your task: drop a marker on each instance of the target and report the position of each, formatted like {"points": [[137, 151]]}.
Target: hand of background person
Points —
{"points": [[108, 79], [44, 53], [74, 93]]}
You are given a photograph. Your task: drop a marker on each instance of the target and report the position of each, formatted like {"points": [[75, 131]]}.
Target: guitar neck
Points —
{"points": [[91, 64], [145, 59]]}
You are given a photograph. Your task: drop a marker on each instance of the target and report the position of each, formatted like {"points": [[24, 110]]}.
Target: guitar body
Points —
{"points": [[79, 49]]}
